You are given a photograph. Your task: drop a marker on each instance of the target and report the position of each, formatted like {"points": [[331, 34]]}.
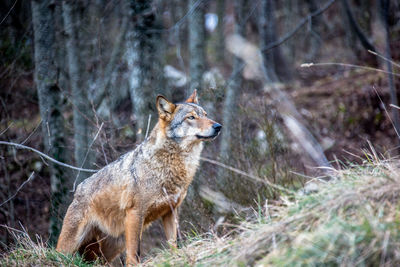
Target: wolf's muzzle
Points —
{"points": [[217, 127]]}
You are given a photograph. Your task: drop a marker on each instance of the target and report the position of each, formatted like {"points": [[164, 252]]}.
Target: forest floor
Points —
{"points": [[344, 112]]}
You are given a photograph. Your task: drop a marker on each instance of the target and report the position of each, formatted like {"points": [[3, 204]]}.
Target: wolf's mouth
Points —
{"points": [[207, 137]]}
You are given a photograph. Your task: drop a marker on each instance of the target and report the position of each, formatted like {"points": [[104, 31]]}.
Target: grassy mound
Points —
{"points": [[28, 252], [352, 220]]}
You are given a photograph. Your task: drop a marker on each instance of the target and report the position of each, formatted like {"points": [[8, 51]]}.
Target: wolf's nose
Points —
{"points": [[217, 127]]}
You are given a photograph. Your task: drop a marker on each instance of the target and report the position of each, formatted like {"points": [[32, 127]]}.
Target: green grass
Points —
{"points": [[353, 220], [35, 253]]}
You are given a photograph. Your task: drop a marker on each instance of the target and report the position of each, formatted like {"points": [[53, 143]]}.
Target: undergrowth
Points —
{"points": [[352, 220]]}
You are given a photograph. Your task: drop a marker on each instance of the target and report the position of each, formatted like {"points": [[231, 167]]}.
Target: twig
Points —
{"points": [[299, 25], [6, 129], [87, 153], [19, 188], [173, 214], [394, 106], [255, 178], [46, 156], [387, 113], [356, 28], [13, 229], [112, 64], [148, 126], [34, 130], [384, 58], [181, 21], [307, 65], [9, 11]]}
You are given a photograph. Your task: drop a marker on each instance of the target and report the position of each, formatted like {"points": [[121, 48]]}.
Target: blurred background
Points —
{"points": [[78, 81]]}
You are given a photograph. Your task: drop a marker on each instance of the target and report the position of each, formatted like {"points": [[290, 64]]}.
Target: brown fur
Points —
{"points": [[111, 209]]}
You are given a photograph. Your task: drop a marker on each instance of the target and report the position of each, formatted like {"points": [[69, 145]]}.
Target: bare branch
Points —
{"points": [[384, 58], [356, 28], [148, 127], [46, 156], [87, 153], [299, 25], [111, 66], [308, 65], [19, 188], [248, 175], [173, 213], [6, 129]]}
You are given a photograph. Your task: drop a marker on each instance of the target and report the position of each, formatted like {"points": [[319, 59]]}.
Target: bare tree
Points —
{"points": [[82, 111], [197, 42], [51, 106], [145, 63]]}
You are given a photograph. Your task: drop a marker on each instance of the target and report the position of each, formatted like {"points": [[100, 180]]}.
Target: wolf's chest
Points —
{"points": [[163, 205]]}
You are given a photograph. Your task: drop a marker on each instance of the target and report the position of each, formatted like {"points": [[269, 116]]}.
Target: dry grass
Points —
{"points": [[28, 252], [352, 220]]}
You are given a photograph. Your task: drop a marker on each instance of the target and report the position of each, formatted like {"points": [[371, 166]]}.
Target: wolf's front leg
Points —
{"points": [[170, 222], [133, 233]]}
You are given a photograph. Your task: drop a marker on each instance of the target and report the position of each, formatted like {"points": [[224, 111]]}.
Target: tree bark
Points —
{"points": [[266, 32], [315, 37], [145, 63], [274, 61], [82, 112], [220, 47], [51, 107], [384, 6], [233, 88], [355, 28], [197, 43]]}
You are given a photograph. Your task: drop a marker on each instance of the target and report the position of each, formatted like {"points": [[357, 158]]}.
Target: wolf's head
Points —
{"points": [[186, 122]]}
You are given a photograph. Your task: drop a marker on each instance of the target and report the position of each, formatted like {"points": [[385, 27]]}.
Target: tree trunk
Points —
{"points": [[220, 47], [197, 43], [355, 30], [266, 37], [384, 11], [315, 38], [283, 104], [51, 107], [145, 63], [230, 108], [274, 62], [82, 111]]}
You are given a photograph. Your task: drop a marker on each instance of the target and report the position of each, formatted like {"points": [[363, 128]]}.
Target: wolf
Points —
{"points": [[111, 208]]}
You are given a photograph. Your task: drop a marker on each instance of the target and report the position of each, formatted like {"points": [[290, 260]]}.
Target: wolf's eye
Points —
{"points": [[191, 118]]}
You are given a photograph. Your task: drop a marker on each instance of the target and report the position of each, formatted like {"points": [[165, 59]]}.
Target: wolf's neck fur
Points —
{"points": [[181, 159]]}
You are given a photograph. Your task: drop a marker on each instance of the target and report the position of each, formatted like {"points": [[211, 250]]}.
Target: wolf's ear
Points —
{"points": [[193, 98], [164, 107]]}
